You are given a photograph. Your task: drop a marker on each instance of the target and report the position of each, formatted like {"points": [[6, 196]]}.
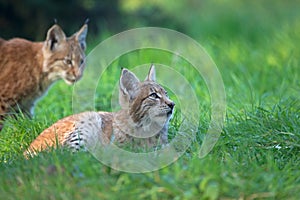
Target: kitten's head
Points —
{"points": [[64, 58], [148, 103]]}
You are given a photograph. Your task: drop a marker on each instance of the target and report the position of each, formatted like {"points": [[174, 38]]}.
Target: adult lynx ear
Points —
{"points": [[128, 87], [151, 74], [80, 36], [55, 36]]}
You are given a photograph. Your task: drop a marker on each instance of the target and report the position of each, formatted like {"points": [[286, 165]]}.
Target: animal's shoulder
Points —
{"points": [[17, 42], [20, 46], [1, 41]]}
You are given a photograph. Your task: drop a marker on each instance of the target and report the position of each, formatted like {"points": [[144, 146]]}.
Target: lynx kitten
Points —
{"points": [[145, 113], [29, 68]]}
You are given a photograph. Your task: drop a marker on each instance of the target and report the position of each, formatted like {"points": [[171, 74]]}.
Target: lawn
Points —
{"points": [[256, 49]]}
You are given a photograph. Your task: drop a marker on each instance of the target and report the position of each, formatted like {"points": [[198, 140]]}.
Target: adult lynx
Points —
{"points": [[145, 111], [28, 68]]}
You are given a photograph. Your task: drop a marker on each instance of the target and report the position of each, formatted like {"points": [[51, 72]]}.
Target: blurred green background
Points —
{"points": [[228, 19]]}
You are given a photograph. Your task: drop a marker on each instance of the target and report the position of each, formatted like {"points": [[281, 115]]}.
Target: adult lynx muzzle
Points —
{"points": [[144, 116], [28, 68]]}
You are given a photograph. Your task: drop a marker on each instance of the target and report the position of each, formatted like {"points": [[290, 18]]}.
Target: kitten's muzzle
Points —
{"points": [[171, 106], [70, 81]]}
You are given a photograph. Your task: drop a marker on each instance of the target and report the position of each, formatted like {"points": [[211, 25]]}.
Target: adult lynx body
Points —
{"points": [[143, 119], [28, 68]]}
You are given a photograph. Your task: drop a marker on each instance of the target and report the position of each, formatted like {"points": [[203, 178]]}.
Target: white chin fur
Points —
{"points": [[69, 82]]}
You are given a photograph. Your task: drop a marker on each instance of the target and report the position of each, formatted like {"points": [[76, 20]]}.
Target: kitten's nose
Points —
{"points": [[171, 105]]}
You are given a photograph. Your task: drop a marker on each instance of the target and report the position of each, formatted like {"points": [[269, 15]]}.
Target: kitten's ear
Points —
{"points": [[152, 74], [128, 86], [55, 36], [80, 36]]}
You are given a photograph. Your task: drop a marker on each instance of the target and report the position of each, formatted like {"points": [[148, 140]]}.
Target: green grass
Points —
{"points": [[256, 157]]}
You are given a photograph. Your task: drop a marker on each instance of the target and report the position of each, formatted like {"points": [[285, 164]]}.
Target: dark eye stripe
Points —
{"points": [[154, 95]]}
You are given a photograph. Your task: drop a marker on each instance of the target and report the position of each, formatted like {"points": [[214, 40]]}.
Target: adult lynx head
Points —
{"points": [[64, 57], [149, 106]]}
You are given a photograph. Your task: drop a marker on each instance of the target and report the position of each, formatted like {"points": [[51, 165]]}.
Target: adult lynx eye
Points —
{"points": [[68, 61], [154, 95]]}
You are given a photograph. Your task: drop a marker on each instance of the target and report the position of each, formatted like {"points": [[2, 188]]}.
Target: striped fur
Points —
{"points": [[144, 117]]}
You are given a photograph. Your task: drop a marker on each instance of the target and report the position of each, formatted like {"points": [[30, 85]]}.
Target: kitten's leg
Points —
{"points": [[26, 111], [27, 114], [1, 122], [2, 112]]}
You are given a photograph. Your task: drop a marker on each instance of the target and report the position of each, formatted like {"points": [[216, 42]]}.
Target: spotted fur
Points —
{"points": [[28, 68], [144, 117]]}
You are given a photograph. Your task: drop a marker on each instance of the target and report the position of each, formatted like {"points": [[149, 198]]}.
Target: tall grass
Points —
{"points": [[256, 48]]}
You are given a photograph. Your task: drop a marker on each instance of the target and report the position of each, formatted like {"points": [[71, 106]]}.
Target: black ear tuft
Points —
{"points": [[87, 21]]}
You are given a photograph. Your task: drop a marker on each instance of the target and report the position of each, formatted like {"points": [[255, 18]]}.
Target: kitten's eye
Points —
{"points": [[68, 61], [154, 95]]}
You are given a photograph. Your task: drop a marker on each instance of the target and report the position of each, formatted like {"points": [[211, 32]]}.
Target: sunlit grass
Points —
{"points": [[256, 157]]}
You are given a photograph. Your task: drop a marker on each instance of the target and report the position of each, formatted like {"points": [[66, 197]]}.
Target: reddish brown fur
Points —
{"points": [[27, 69], [14, 67]]}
